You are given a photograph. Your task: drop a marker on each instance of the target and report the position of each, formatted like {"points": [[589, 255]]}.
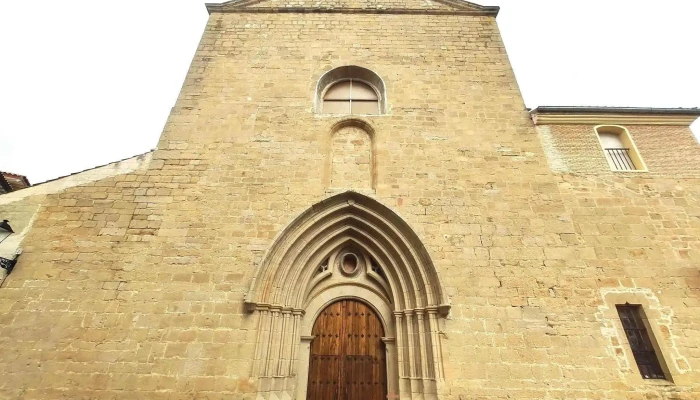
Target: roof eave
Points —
{"points": [[615, 110], [614, 115], [214, 7], [6, 186]]}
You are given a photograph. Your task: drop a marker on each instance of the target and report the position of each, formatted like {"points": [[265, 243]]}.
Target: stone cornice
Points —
{"points": [[308, 10], [249, 6], [614, 116]]}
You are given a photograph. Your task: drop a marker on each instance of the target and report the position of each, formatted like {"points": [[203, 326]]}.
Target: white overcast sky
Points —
{"points": [[84, 83]]}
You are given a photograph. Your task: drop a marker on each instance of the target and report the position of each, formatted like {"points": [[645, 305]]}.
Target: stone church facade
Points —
{"points": [[350, 201]]}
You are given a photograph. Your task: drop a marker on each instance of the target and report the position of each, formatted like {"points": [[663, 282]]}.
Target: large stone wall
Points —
{"points": [[132, 286]]}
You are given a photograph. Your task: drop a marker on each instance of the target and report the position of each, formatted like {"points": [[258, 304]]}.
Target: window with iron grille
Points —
{"points": [[619, 149], [620, 158], [640, 341]]}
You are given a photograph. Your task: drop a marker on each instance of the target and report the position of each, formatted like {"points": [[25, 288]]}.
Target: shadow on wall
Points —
{"points": [[695, 128]]}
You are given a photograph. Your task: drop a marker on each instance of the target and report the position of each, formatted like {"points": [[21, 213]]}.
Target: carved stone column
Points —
{"points": [[391, 365], [304, 358]]}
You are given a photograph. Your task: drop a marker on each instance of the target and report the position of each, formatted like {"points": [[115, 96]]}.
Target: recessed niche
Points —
{"points": [[351, 158]]}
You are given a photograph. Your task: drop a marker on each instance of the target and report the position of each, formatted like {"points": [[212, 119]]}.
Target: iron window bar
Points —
{"points": [[640, 342], [621, 159]]}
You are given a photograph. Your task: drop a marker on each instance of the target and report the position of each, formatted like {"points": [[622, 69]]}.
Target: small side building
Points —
{"points": [[12, 182], [20, 209], [614, 140]]}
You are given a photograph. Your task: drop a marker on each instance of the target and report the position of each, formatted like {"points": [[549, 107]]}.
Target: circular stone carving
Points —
{"points": [[349, 264]]}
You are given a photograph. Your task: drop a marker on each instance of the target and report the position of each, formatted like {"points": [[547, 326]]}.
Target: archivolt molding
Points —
{"points": [[303, 269], [281, 280]]}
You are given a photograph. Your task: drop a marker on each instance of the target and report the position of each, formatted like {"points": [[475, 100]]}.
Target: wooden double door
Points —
{"points": [[348, 358]]}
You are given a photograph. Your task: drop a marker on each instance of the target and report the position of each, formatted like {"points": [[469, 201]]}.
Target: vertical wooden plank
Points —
{"points": [[338, 327], [367, 342], [337, 349], [356, 350], [348, 353], [359, 348], [371, 360], [347, 342]]}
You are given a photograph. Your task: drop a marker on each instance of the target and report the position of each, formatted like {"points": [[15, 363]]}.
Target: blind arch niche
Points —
{"points": [[339, 88], [351, 156]]}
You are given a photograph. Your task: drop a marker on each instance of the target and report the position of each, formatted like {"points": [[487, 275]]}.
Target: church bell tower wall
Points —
{"points": [[148, 284]]}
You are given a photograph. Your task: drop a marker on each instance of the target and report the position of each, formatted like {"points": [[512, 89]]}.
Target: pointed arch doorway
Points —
{"points": [[348, 246], [348, 357]]}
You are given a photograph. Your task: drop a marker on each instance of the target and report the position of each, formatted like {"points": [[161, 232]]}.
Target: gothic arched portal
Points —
{"points": [[348, 247]]}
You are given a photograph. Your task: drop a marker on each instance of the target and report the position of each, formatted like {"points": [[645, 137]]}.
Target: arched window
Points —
{"points": [[351, 96], [619, 149], [350, 90]]}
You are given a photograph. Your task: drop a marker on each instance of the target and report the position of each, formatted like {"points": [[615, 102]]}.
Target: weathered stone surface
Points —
{"points": [[132, 286]]}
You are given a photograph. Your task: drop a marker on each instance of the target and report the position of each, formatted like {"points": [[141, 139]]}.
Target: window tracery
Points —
{"points": [[323, 267], [351, 96], [377, 268]]}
